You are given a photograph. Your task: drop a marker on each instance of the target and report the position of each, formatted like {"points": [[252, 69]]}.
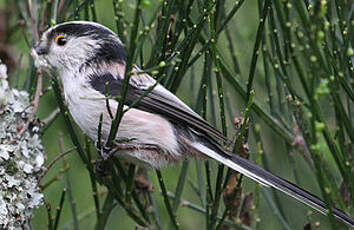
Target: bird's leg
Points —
{"points": [[102, 165], [123, 144], [105, 152]]}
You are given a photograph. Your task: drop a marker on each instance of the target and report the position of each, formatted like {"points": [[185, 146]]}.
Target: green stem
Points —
{"points": [[59, 209], [107, 208], [256, 47], [127, 74], [180, 185], [166, 200], [130, 183]]}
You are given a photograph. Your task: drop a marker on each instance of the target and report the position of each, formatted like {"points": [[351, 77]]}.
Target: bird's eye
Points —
{"points": [[60, 40]]}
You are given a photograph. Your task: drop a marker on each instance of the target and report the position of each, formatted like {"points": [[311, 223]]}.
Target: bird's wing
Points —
{"points": [[159, 101]]}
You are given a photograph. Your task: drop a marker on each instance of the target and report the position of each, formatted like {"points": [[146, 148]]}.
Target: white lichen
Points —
{"points": [[21, 158]]}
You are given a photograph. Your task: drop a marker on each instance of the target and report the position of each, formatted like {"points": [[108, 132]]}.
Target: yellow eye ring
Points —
{"points": [[60, 40]]}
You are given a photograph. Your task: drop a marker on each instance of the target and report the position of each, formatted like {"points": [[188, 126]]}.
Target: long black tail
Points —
{"points": [[266, 178]]}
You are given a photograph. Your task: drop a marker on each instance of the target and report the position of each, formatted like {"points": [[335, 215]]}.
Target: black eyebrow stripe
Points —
{"points": [[80, 30]]}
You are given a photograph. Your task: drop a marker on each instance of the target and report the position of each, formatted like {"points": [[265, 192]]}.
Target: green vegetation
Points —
{"points": [[284, 66]]}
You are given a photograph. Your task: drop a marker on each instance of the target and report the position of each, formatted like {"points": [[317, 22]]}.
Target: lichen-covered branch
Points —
{"points": [[21, 158]]}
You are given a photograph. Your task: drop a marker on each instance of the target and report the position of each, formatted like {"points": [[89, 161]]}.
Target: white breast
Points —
{"points": [[143, 127]]}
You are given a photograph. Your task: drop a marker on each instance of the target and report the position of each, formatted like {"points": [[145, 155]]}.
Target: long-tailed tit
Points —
{"points": [[90, 60]]}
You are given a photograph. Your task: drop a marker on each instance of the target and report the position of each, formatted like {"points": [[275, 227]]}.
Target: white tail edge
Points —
{"points": [[266, 178]]}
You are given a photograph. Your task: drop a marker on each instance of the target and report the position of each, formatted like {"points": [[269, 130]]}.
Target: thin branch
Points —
{"points": [[167, 202], [127, 74], [59, 209], [52, 162]]}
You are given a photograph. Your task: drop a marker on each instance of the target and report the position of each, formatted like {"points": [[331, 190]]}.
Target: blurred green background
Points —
{"points": [[282, 159]]}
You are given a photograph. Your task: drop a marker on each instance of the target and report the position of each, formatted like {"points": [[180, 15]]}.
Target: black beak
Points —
{"points": [[40, 50]]}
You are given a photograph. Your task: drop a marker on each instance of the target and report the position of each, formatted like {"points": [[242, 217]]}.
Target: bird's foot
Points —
{"points": [[102, 166], [102, 163]]}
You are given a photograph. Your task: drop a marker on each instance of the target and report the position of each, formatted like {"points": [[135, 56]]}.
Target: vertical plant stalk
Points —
{"points": [[222, 27], [119, 19], [258, 187], [117, 177], [76, 12], [204, 98], [54, 11], [113, 183], [68, 185], [49, 215], [155, 209], [240, 138], [186, 47], [92, 177], [267, 76], [127, 75], [279, 70], [236, 65], [201, 108], [93, 11], [72, 202], [180, 185], [65, 112], [159, 48], [59, 209], [130, 183], [123, 175], [117, 193], [166, 200], [219, 81], [107, 208], [256, 47]]}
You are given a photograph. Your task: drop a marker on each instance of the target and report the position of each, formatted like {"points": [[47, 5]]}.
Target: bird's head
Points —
{"points": [[76, 44]]}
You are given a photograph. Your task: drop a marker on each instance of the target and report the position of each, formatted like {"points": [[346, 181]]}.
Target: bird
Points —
{"points": [[90, 60]]}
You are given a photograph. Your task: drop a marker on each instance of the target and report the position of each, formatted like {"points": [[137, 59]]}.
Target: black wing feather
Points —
{"points": [[155, 103]]}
